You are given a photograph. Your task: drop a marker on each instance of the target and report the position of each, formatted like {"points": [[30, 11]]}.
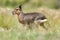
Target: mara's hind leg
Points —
{"points": [[37, 24], [42, 25]]}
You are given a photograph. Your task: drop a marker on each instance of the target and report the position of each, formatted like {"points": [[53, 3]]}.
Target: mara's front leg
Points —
{"points": [[24, 26], [30, 26]]}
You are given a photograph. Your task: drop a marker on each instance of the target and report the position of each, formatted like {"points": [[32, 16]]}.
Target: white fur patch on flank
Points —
{"points": [[41, 20]]}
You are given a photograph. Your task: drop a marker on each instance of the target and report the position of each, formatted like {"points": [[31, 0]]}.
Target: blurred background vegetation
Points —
{"points": [[33, 3]]}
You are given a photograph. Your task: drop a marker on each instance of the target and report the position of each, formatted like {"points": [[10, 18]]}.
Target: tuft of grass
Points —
{"points": [[7, 20]]}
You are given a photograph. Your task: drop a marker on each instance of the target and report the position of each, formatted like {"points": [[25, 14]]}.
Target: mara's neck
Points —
{"points": [[20, 16], [21, 13]]}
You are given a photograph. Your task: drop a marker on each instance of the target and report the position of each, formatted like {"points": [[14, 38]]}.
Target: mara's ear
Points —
{"points": [[20, 6]]}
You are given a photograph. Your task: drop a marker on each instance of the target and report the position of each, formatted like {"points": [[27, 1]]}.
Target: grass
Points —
{"points": [[6, 20], [17, 32]]}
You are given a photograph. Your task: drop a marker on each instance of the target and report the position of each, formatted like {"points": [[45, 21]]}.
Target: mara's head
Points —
{"points": [[17, 10]]}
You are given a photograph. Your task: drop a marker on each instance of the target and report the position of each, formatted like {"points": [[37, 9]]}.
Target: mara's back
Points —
{"points": [[30, 17]]}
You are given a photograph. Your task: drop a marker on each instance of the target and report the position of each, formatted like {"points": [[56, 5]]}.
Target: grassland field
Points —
{"points": [[17, 32]]}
